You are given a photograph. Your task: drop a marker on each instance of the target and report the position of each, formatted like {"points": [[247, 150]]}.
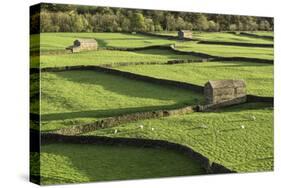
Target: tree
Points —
{"points": [[202, 23], [264, 25], [45, 21], [149, 25], [233, 27], [213, 26], [170, 23], [137, 22]]}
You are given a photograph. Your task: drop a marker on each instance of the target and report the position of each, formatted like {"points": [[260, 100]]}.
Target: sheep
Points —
{"points": [[152, 129], [242, 126], [115, 131], [253, 118], [141, 126]]}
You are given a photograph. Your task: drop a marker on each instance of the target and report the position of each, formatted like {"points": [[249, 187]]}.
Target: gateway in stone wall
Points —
{"points": [[222, 91]]}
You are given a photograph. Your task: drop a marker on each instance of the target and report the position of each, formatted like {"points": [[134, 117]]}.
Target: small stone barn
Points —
{"points": [[83, 45], [182, 34], [219, 91]]}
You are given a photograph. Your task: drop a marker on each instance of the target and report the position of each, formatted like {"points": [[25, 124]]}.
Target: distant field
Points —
{"points": [[74, 97], [227, 51], [76, 163], [229, 136], [59, 41], [110, 57], [263, 33], [228, 37], [258, 77]]}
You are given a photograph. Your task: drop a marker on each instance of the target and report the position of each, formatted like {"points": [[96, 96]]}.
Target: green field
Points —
{"points": [[258, 76], [110, 57], [228, 37], [263, 33], [59, 41], [65, 163], [75, 97], [217, 135], [239, 137], [227, 51]]}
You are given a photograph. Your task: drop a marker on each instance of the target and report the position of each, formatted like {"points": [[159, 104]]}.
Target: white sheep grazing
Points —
{"points": [[152, 129], [204, 126], [141, 126], [115, 131], [253, 118], [242, 126]]}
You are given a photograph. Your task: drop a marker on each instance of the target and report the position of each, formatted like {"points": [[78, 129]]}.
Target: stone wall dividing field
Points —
{"points": [[256, 36], [237, 44], [178, 84], [117, 120]]}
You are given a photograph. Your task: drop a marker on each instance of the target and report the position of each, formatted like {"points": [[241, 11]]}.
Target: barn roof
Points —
{"points": [[226, 83], [86, 40]]}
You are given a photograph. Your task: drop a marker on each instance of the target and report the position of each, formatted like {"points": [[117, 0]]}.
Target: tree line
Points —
{"points": [[76, 18]]}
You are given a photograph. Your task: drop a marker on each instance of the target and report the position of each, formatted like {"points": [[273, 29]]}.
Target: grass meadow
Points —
{"points": [[239, 137]]}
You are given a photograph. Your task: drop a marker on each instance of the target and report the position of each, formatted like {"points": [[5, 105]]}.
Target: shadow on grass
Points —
{"points": [[105, 113], [105, 163]]}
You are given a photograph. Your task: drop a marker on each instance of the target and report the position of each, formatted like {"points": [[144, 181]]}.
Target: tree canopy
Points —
{"points": [[77, 18]]}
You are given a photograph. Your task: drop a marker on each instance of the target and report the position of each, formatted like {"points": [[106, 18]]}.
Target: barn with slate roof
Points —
{"points": [[219, 91], [83, 45]]}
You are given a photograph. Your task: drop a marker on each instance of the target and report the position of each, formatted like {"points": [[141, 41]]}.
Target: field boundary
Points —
{"points": [[165, 82], [183, 85], [237, 44], [256, 36], [205, 57], [216, 42], [126, 118], [206, 164]]}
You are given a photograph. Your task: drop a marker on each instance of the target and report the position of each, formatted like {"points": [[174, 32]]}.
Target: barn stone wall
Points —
{"points": [[83, 45], [221, 91]]}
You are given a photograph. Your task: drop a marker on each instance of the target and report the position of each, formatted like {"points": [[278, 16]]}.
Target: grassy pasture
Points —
{"points": [[76, 163], [59, 41], [229, 37], [110, 57], [227, 51], [75, 97], [258, 77], [263, 33], [219, 135]]}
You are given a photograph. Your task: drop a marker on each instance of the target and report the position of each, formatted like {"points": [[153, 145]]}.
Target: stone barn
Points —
{"points": [[83, 45], [221, 91], [182, 34]]}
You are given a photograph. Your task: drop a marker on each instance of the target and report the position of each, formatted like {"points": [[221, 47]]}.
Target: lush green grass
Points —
{"points": [[110, 57], [263, 33], [227, 51], [75, 97], [220, 135], [59, 41], [76, 163], [228, 37], [258, 77]]}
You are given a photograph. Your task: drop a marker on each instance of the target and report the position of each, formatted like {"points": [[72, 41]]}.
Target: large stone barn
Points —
{"points": [[83, 45], [183, 34], [220, 91]]}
